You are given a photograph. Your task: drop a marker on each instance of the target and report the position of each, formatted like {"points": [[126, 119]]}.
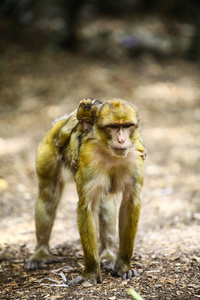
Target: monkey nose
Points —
{"points": [[121, 140]]}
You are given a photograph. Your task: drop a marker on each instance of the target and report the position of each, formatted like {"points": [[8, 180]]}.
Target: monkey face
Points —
{"points": [[116, 124], [120, 141], [86, 124], [87, 113]]}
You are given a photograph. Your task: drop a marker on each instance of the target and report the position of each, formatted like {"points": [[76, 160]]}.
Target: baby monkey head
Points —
{"points": [[87, 112]]}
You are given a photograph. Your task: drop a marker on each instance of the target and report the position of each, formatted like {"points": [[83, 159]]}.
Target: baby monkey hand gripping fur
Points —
{"points": [[110, 159]]}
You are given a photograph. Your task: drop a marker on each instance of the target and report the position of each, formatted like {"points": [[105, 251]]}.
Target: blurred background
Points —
{"points": [[55, 53], [119, 29]]}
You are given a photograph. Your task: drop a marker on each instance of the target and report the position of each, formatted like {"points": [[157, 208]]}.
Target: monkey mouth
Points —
{"points": [[120, 151]]}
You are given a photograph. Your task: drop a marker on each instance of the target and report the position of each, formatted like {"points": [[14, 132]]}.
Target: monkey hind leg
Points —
{"points": [[46, 205], [107, 227]]}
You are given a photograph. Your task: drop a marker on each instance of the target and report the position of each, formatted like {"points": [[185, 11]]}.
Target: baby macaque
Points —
{"points": [[86, 115]]}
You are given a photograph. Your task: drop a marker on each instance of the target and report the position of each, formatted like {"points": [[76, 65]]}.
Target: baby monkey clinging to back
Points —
{"points": [[80, 122], [109, 158]]}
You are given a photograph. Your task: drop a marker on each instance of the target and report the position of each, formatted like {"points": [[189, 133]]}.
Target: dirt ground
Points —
{"points": [[37, 88]]}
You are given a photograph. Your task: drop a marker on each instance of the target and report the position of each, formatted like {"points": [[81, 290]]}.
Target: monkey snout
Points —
{"points": [[120, 150]]}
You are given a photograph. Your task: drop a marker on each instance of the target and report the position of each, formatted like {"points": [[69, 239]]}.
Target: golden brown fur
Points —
{"points": [[110, 159]]}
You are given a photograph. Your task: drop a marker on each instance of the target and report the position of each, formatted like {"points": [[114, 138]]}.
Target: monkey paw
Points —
{"points": [[81, 279], [107, 265], [130, 274], [34, 263], [77, 280], [126, 275]]}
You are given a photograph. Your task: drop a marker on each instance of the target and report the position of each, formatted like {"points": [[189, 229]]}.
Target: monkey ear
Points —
{"points": [[81, 103]]}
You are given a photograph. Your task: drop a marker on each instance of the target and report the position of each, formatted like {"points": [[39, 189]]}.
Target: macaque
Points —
{"points": [[110, 160], [86, 115]]}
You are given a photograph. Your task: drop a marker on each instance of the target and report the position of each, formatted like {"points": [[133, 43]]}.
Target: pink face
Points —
{"points": [[120, 137], [86, 124]]}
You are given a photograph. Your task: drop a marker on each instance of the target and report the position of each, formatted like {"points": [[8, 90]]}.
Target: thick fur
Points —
{"points": [[109, 160]]}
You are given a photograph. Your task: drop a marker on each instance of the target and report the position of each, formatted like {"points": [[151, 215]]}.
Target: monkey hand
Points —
{"points": [[142, 151], [59, 154], [74, 164], [144, 154], [80, 279]]}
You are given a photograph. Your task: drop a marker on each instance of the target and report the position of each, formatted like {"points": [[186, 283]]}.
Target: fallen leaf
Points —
{"points": [[81, 265], [172, 281], [197, 258], [194, 286], [153, 271], [87, 284]]}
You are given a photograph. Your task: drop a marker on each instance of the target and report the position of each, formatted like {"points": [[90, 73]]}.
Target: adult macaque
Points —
{"points": [[110, 160]]}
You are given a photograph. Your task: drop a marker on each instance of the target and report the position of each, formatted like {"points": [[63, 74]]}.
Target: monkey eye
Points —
{"points": [[113, 126], [128, 125], [81, 121]]}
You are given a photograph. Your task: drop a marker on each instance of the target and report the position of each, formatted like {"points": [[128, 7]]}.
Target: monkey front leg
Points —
{"points": [[88, 235], [128, 222]]}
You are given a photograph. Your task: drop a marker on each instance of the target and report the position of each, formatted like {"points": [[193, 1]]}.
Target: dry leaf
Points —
{"points": [[87, 284], [197, 258], [194, 286]]}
